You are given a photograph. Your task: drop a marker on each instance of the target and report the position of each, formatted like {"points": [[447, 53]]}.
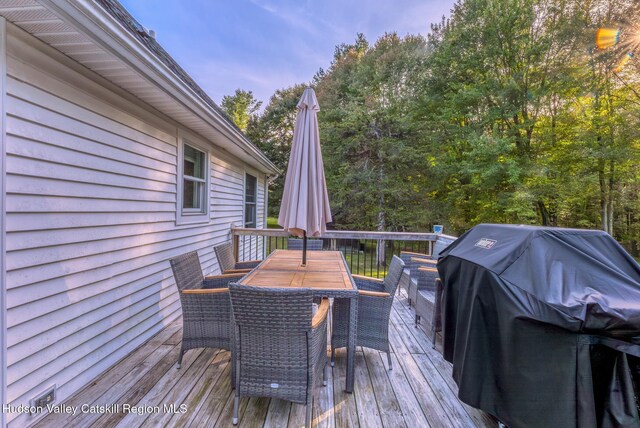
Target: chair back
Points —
{"points": [[187, 271], [312, 244], [406, 258], [440, 245], [393, 275], [427, 279], [411, 265], [224, 254], [271, 327], [263, 308]]}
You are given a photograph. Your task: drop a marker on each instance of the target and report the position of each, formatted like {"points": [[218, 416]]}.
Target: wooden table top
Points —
{"points": [[325, 270]]}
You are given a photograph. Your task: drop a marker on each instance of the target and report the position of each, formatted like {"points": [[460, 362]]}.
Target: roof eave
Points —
{"points": [[104, 30]]}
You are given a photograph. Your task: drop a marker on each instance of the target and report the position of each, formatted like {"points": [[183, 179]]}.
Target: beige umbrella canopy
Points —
{"points": [[305, 203]]}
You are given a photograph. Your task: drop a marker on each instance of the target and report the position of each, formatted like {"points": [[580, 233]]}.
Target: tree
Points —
{"points": [[241, 107], [506, 113], [529, 123], [496, 68], [371, 150], [273, 133]]}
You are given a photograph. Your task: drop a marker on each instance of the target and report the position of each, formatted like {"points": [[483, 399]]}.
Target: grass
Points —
{"points": [[272, 223]]}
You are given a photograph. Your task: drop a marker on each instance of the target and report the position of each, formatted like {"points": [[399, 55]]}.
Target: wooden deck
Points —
{"points": [[418, 392]]}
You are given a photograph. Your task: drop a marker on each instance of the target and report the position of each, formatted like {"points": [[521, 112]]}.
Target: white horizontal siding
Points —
{"points": [[91, 209], [260, 209], [3, 240], [251, 247]]}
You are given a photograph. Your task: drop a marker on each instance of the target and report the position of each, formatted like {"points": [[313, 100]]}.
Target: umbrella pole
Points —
{"points": [[304, 248]]}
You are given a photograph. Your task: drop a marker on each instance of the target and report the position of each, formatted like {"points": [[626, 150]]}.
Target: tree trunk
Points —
{"points": [[381, 254], [544, 213], [610, 196], [604, 202]]}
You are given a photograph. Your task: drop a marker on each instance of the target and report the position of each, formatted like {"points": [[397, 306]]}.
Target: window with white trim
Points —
{"points": [[250, 199], [193, 184]]}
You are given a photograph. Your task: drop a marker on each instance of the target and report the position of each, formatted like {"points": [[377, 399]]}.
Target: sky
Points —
{"points": [[265, 45]]}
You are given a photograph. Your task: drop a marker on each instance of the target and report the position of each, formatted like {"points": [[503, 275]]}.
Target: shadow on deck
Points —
{"points": [[418, 392]]}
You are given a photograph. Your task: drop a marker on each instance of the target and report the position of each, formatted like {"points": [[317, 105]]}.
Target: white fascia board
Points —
{"points": [[93, 21]]}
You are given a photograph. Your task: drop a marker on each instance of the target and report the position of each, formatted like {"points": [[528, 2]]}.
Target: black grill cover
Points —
{"points": [[540, 323]]}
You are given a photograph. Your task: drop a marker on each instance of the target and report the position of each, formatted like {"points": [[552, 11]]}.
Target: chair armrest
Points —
{"points": [[231, 271], [373, 293], [427, 269], [225, 276], [248, 264], [321, 315], [220, 281], [206, 291], [423, 260], [367, 278], [369, 284], [410, 253]]}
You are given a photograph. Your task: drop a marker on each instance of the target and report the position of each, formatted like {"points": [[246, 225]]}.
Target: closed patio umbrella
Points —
{"points": [[304, 210]]}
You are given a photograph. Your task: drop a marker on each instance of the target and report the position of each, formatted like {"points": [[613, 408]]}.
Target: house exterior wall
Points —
{"points": [[91, 222], [3, 317]]}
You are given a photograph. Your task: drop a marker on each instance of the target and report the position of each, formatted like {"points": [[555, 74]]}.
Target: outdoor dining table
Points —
{"points": [[326, 274]]}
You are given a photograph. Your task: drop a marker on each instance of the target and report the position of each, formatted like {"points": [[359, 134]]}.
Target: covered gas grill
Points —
{"points": [[542, 325]]}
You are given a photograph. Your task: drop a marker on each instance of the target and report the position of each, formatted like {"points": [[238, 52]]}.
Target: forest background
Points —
{"points": [[507, 112]]}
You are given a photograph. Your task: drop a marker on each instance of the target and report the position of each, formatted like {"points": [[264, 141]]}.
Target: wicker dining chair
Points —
{"points": [[296, 244], [412, 261], [425, 279], [441, 243], [227, 262], [374, 309], [281, 346], [206, 308], [429, 306]]}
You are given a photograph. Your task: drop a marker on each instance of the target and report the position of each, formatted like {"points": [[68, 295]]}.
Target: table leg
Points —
{"points": [[351, 345]]}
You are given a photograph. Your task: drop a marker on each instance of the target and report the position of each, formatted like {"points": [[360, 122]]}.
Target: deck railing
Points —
{"points": [[366, 253]]}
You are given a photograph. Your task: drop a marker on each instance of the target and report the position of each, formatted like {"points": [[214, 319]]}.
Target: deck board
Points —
{"points": [[344, 408], [278, 414], [385, 397], [368, 413], [419, 391]]}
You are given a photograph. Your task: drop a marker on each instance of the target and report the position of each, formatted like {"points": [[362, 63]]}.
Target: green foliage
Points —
{"points": [[241, 107], [522, 115], [506, 113], [273, 133], [374, 161]]}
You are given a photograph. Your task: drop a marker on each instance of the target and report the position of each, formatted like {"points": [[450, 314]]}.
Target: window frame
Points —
{"points": [[254, 204], [192, 215]]}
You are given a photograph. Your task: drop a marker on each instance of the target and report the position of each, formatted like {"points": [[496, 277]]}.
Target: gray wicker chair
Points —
{"points": [[228, 264], [206, 309], [429, 306], [281, 347], [374, 308], [442, 242], [312, 244], [439, 245], [425, 279], [412, 261]]}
